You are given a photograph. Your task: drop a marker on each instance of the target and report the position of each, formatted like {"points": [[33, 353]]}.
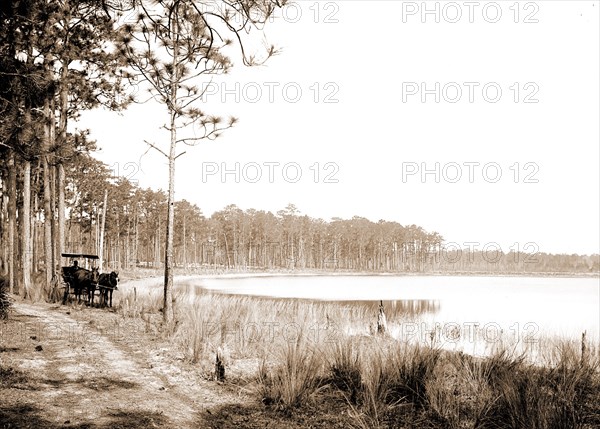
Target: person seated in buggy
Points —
{"points": [[70, 270]]}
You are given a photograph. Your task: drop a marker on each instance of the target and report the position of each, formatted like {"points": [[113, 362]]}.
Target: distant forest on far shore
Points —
{"points": [[233, 238], [134, 225]]}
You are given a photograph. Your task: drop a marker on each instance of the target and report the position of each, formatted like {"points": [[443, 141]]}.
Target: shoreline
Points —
{"points": [[239, 274], [153, 282]]}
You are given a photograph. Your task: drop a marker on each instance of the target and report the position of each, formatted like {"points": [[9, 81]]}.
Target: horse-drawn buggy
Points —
{"points": [[79, 277]]}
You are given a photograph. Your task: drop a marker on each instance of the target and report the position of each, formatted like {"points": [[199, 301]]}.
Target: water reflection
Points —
{"points": [[542, 306], [398, 308]]}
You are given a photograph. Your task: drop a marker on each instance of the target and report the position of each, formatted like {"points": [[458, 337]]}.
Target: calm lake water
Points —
{"points": [[520, 305]]}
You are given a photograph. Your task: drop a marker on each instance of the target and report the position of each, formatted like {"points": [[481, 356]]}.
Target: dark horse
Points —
{"points": [[85, 279], [110, 282]]}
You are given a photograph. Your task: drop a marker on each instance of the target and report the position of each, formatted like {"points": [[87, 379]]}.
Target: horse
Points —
{"points": [[110, 282], [87, 279]]}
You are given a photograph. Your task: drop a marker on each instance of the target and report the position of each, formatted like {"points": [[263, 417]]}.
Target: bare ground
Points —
{"points": [[79, 367], [65, 366]]}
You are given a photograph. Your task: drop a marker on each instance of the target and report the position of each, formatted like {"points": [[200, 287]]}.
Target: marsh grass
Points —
{"points": [[307, 351], [554, 395], [382, 378], [296, 379], [344, 361]]}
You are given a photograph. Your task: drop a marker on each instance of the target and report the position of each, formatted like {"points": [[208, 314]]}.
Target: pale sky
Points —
{"points": [[529, 171]]}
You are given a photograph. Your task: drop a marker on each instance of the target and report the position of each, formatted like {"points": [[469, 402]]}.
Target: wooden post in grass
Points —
{"points": [[381, 320], [583, 348], [219, 366]]}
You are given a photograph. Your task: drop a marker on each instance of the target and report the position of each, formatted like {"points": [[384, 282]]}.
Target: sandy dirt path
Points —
{"points": [[69, 371]]}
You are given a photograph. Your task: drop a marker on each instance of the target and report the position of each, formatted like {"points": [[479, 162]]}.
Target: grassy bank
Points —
{"points": [[300, 358]]}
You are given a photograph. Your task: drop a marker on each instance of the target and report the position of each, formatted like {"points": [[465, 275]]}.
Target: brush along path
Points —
{"points": [[85, 367]]}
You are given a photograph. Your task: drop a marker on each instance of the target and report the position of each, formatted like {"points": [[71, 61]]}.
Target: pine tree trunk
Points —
{"points": [[118, 246], [48, 260], [128, 244], [102, 226], [53, 225], [60, 184], [12, 222], [168, 304], [136, 239], [33, 225], [157, 244], [3, 226], [26, 230]]}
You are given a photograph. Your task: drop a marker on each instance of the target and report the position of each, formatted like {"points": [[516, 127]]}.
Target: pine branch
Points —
{"points": [[155, 147]]}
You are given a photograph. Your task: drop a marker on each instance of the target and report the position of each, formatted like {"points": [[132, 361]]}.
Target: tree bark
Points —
{"points": [[157, 244], [53, 225], [12, 221], [3, 226], [118, 246], [26, 229], [168, 295], [48, 262], [102, 226], [60, 184], [128, 243], [62, 140], [136, 237], [33, 225]]}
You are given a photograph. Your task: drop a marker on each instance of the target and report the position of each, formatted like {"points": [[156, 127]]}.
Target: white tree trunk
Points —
{"points": [[12, 221], [102, 226], [168, 295], [64, 105], [26, 229], [48, 247]]}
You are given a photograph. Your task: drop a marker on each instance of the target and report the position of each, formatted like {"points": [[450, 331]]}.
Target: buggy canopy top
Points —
{"points": [[79, 255]]}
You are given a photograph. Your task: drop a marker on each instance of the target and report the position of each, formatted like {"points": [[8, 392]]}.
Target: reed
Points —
{"points": [[303, 349]]}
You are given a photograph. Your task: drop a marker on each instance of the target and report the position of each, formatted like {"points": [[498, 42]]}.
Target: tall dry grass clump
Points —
{"points": [[561, 393], [318, 350], [374, 399], [381, 378], [296, 377], [345, 360], [6, 300], [411, 366]]}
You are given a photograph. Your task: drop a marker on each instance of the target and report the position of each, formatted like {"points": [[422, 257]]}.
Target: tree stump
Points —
{"points": [[583, 348], [381, 320], [219, 366]]}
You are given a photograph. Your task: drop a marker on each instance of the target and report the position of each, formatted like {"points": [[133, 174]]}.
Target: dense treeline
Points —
{"points": [[55, 60], [59, 58], [257, 239]]}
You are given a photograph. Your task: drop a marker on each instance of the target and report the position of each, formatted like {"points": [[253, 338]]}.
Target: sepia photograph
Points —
{"points": [[289, 214]]}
